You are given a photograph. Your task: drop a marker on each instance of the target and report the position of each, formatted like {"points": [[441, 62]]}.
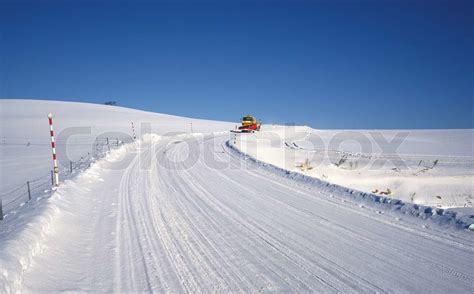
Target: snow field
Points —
{"points": [[175, 212], [431, 167]]}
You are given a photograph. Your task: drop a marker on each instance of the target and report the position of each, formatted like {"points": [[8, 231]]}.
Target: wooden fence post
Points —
{"points": [[29, 191], [133, 131]]}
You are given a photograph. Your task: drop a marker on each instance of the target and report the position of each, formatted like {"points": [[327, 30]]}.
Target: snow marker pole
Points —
{"points": [[1, 210], [133, 131], [53, 146]]}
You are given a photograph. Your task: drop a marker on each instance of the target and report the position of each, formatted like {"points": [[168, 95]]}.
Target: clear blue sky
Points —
{"points": [[331, 64]]}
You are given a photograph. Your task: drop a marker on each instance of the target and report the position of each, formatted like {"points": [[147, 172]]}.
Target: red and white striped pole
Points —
{"points": [[53, 146]]}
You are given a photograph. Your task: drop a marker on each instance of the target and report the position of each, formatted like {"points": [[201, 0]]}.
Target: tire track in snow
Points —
{"points": [[260, 263], [186, 184], [205, 242], [396, 247], [402, 251], [242, 211], [128, 238], [183, 228], [262, 237], [429, 261], [326, 268]]}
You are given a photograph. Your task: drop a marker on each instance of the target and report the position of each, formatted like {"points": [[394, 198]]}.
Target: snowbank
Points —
{"points": [[462, 219], [22, 236], [425, 167]]}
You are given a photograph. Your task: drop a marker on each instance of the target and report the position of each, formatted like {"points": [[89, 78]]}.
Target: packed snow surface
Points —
{"points": [[188, 212]]}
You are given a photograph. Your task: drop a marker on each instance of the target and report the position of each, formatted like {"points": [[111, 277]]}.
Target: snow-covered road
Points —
{"points": [[186, 214]]}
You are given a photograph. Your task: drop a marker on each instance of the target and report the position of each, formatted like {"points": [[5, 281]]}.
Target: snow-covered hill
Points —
{"points": [[24, 133], [428, 167], [181, 210]]}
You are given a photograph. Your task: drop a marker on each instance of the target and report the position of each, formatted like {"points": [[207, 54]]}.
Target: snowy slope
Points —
{"points": [[187, 213], [25, 151], [428, 167]]}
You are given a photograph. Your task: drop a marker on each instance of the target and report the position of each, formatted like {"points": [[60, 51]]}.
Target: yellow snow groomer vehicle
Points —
{"points": [[249, 124]]}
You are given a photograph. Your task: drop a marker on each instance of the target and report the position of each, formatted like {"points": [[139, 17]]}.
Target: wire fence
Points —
{"points": [[24, 141], [38, 187]]}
